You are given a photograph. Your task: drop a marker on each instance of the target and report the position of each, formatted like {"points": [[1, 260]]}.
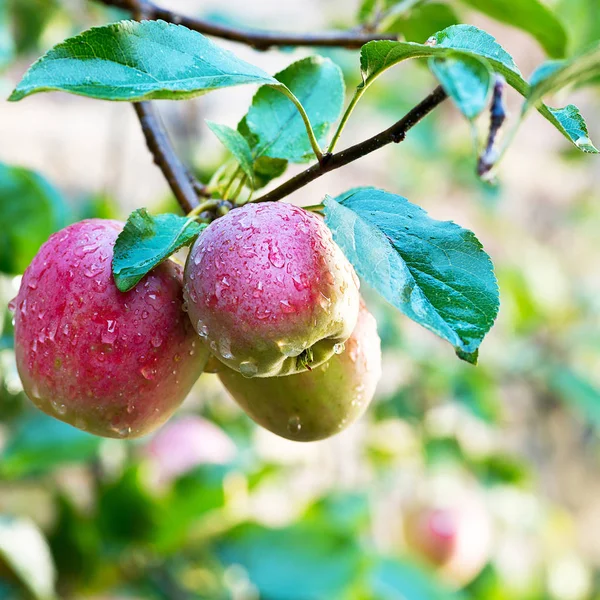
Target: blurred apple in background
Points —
{"points": [[184, 443], [447, 525]]}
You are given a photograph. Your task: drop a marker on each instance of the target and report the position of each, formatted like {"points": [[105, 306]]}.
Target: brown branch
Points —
{"points": [[256, 38], [497, 117], [159, 144], [395, 134]]}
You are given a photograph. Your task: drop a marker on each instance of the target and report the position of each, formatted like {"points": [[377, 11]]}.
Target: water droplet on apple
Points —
{"points": [[148, 372], [248, 368], [294, 424], [286, 307]]}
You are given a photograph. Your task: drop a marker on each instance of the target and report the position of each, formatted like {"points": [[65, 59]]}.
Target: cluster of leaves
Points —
{"points": [[450, 289]]}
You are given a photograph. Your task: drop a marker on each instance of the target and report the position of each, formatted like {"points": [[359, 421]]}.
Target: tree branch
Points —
{"points": [[395, 134], [256, 38], [178, 177], [497, 117]]}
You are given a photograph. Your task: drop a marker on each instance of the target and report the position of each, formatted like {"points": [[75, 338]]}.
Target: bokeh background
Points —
{"points": [[213, 507]]}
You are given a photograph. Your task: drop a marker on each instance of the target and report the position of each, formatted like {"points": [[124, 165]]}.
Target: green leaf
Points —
{"points": [[237, 144], [366, 10], [42, 443], [148, 240], [552, 76], [266, 169], [576, 391], [30, 211], [392, 579], [423, 21], [532, 16], [30, 19], [138, 61], [303, 562], [570, 120], [378, 56], [25, 552], [7, 48], [435, 272], [582, 20], [467, 80], [275, 125]]}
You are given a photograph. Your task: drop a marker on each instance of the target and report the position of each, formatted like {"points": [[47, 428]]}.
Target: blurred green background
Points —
{"points": [[212, 507]]}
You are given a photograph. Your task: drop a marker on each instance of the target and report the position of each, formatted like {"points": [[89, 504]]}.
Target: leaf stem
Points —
{"points": [[206, 205], [336, 136], [239, 188], [230, 183], [316, 208], [309, 130], [394, 134]]}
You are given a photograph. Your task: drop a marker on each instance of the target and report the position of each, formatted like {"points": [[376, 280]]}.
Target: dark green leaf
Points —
{"points": [[41, 443], [532, 16], [146, 241], [392, 579], [138, 61], [236, 143], [25, 552], [191, 497], [276, 126], [378, 56], [266, 169], [30, 211], [423, 21], [302, 562], [30, 19], [467, 80], [435, 272], [127, 512]]}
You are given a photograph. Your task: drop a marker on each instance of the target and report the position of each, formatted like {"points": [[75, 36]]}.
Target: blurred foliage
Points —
{"points": [[324, 521]]}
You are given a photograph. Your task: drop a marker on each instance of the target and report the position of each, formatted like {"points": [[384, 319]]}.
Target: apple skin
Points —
{"points": [[269, 290], [316, 404], [111, 363]]}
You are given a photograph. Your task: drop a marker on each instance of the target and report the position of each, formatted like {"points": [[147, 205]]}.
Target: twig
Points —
{"points": [[395, 134], [256, 38], [164, 155], [497, 116]]}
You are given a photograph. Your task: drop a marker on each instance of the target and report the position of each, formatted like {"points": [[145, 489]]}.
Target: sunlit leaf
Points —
{"points": [[135, 61], [435, 272], [532, 16], [146, 241]]}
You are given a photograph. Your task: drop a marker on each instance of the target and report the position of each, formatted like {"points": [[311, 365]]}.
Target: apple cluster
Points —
{"points": [[267, 300]]}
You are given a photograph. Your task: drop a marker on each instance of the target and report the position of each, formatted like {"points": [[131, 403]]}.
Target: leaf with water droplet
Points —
{"points": [[135, 61], [148, 240], [456, 41], [435, 272]]}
